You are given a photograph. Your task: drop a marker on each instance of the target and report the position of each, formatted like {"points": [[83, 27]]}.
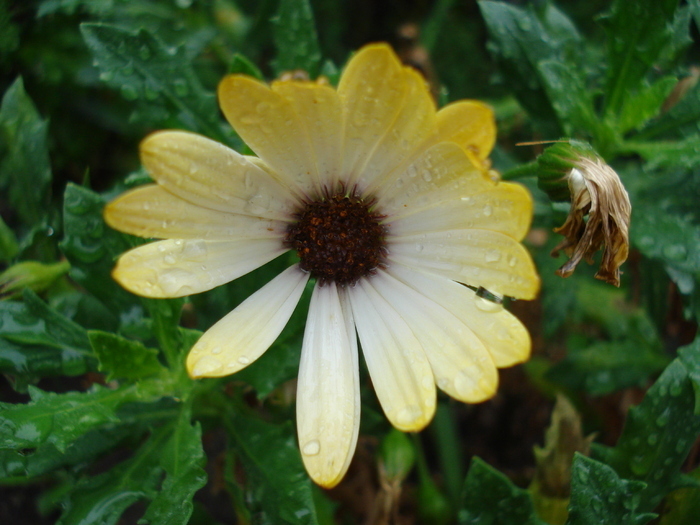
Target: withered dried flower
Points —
{"points": [[600, 207]]}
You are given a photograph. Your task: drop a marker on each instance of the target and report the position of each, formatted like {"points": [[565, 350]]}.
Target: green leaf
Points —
{"points": [[182, 458], [102, 499], [639, 107], [240, 65], [9, 247], [47, 458], [690, 357], [37, 341], [657, 436], [92, 248], [672, 238], [123, 358], [295, 38], [161, 78], [570, 97], [59, 419], [490, 498], [25, 169], [683, 505], [605, 367], [683, 154], [521, 38], [277, 486], [639, 33], [600, 496]]}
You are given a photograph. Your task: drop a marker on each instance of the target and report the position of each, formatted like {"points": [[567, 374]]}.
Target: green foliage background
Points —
{"points": [[99, 421]]}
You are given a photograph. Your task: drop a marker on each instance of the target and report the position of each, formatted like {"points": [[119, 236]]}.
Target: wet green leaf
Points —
{"points": [[145, 69], [605, 367], [25, 169], [103, 498], [37, 341], [600, 496], [277, 487], [490, 498], [638, 108], [59, 419], [92, 248], [683, 505], [295, 38], [671, 238], [9, 247], [182, 459], [657, 437], [240, 65], [521, 38], [639, 33], [123, 358]]}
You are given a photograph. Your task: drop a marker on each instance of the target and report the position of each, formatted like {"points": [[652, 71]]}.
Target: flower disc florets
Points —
{"points": [[338, 238]]}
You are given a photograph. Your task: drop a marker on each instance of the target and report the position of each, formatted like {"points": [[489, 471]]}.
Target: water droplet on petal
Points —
{"points": [[488, 210], [243, 360], [311, 448], [206, 367]]}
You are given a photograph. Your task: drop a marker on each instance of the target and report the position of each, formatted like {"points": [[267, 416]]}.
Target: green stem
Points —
{"points": [[450, 456], [520, 172]]}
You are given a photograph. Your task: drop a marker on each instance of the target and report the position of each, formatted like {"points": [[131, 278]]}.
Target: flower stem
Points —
{"points": [[524, 170]]}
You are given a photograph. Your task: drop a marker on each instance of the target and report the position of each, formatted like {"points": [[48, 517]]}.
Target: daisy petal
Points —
{"points": [[503, 335], [470, 124], [412, 127], [271, 127], [504, 208], [397, 364], [150, 211], [321, 115], [175, 268], [372, 90], [462, 366], [437, 174], [475, 257], [213, 176], [328, 391], [244, 334]]}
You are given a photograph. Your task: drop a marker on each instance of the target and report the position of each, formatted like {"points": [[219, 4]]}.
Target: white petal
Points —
{"points": [[490, 259], [397, 364], [151, 211], [503, 335], [211, 175], [243, 335], [328, 391], [462, 366], [175, 268]]}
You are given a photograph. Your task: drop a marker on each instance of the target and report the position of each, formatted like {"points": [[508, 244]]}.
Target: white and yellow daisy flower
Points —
{"points": [[390, 206]]}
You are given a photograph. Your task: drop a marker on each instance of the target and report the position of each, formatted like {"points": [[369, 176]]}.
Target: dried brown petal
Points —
{"points": [[596, 191]]}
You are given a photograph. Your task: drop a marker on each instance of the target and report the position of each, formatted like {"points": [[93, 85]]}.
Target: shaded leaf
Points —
{"points": [[490, 498], [639, 33], [657, 437], [182, 459], [646, 103], [278, 489], [92, 248], [25, 169], [683, 505], [295, 38], [143, 68], [59, 419], [600, 496], [521, 38], [37, 341]]}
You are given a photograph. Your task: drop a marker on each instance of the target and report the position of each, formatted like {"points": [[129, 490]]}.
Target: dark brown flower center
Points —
{"points": [[338, 238]]}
